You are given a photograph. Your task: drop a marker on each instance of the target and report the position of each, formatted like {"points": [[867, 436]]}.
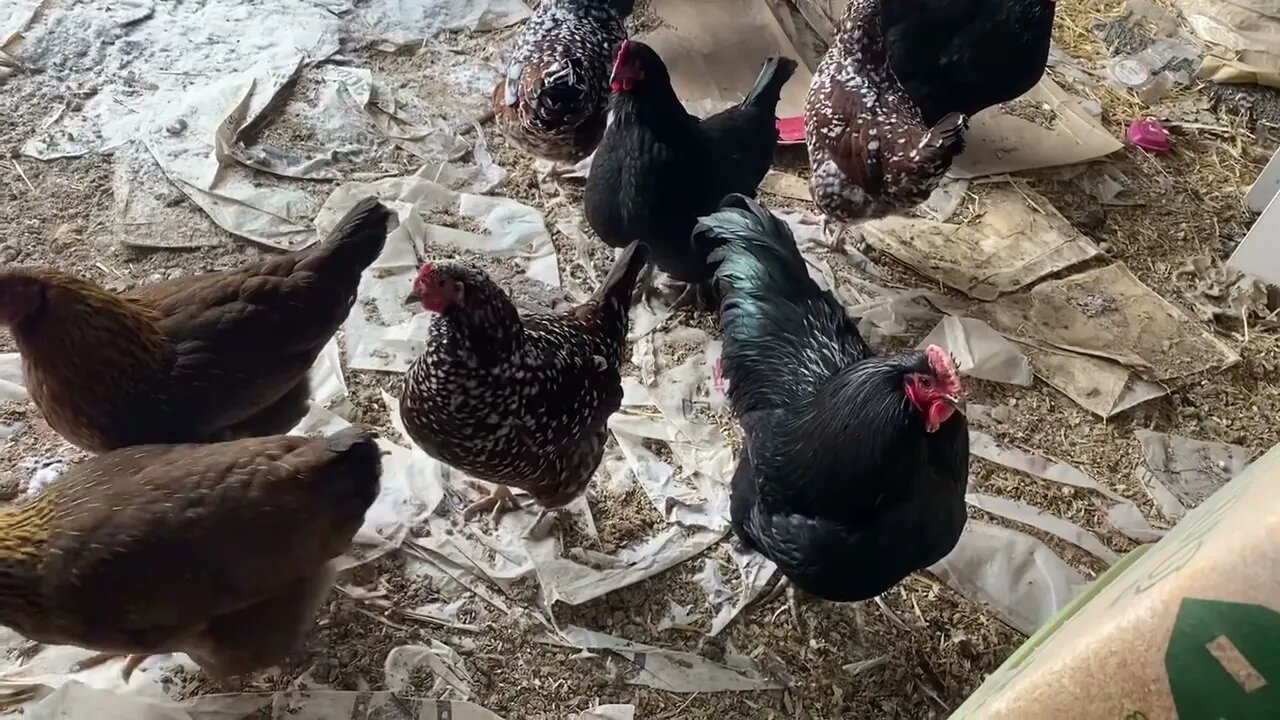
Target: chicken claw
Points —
{"points": [[832, 233], [95, 660], [500, 501], [785, 585]]}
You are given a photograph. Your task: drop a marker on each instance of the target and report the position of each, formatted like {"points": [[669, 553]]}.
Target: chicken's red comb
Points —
{"points": [[791, 130], [944, 368], [624, 50]]}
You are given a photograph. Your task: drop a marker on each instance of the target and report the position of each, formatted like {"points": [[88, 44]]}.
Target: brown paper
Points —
{"points": [[1109, 314], [1189, 629], [1015, 238], [714, 49], [1243, 39], [1002, 139]]}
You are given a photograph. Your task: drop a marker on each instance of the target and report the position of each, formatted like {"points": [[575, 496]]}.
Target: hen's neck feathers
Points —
{"points": [[489, 325], [24, 537], [860, 36], [655, 108], [854, 411]]}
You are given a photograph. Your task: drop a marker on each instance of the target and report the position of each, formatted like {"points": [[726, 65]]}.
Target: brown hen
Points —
{"points": [[552, 101], [518, 401], [194, 359], [220, 551], [870, 152]]}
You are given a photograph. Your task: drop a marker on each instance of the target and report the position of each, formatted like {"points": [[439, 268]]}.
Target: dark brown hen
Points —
{"points": [[194, 359], [222, 551], [518, 401], [870, 153], [551, 103]]}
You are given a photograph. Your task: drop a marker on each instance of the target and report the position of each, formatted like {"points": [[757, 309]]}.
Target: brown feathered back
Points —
{"points": [[138, 549], [196, 358]]}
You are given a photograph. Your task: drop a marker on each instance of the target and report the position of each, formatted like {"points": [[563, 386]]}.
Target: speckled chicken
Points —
{"points": [[221, 551], [551, 103], [854, 465], [518, 401], [659, 168], [194, 359], [888, 108], [870, 152]]}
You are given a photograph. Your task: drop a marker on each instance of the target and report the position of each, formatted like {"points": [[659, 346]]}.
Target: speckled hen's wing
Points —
{"points": [[581, 384], [149, 540]]}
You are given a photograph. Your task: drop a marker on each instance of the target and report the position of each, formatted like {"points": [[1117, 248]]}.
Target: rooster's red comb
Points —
{"points": [[944, 368], [624, 54]]}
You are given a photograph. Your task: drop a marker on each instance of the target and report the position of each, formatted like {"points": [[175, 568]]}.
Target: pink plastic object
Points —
{"points": [[718, 380], [791, 130], [1149, 134]]}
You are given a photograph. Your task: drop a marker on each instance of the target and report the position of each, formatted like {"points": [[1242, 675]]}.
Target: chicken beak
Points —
{"points": [[956, 401]]}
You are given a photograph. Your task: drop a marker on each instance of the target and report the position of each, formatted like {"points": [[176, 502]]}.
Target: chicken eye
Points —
{"points": [[926, 382]]}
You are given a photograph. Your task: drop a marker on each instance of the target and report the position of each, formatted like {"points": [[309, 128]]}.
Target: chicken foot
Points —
{"points": [[93, 661], [832, 233], [500, 501], [546, 171], [786, 585]]}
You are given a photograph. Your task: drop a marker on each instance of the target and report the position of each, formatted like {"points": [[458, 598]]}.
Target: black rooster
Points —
{"points": [[659, 168], [855, 466]]}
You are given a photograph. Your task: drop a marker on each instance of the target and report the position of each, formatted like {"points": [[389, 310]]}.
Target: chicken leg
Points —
{"points": [[785, 585], [832, 232], [126, 672], [500, 501]]}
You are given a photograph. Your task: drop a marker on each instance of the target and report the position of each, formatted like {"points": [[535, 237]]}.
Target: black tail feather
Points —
{"points": [[767, 91], [621, 280]]}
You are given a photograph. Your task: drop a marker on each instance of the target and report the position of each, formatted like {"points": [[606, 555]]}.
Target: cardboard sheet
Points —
{"points": [[1242, 39], [714, 49], [1015, 238], [1186, 629], [1047, 127]]}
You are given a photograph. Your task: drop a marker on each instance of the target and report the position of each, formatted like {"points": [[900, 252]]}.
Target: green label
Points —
{"points": [[1223, 661]]}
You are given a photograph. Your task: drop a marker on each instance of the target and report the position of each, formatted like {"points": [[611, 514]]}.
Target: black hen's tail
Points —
{"points": [[357, 240], [783, 335], [767, 91], [613, 297]]}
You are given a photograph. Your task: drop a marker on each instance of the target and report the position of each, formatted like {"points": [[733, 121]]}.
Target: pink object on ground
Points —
{"points": [[717, 377], [1149, 134], [791, 130]]}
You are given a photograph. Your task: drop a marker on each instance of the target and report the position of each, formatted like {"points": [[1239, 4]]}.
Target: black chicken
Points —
{"points": [[518, 401], [659, 168], [855, 466], [963, 56]]}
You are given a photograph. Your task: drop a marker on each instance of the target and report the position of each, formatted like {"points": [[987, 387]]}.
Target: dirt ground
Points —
{"points": [[918, 655]]}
